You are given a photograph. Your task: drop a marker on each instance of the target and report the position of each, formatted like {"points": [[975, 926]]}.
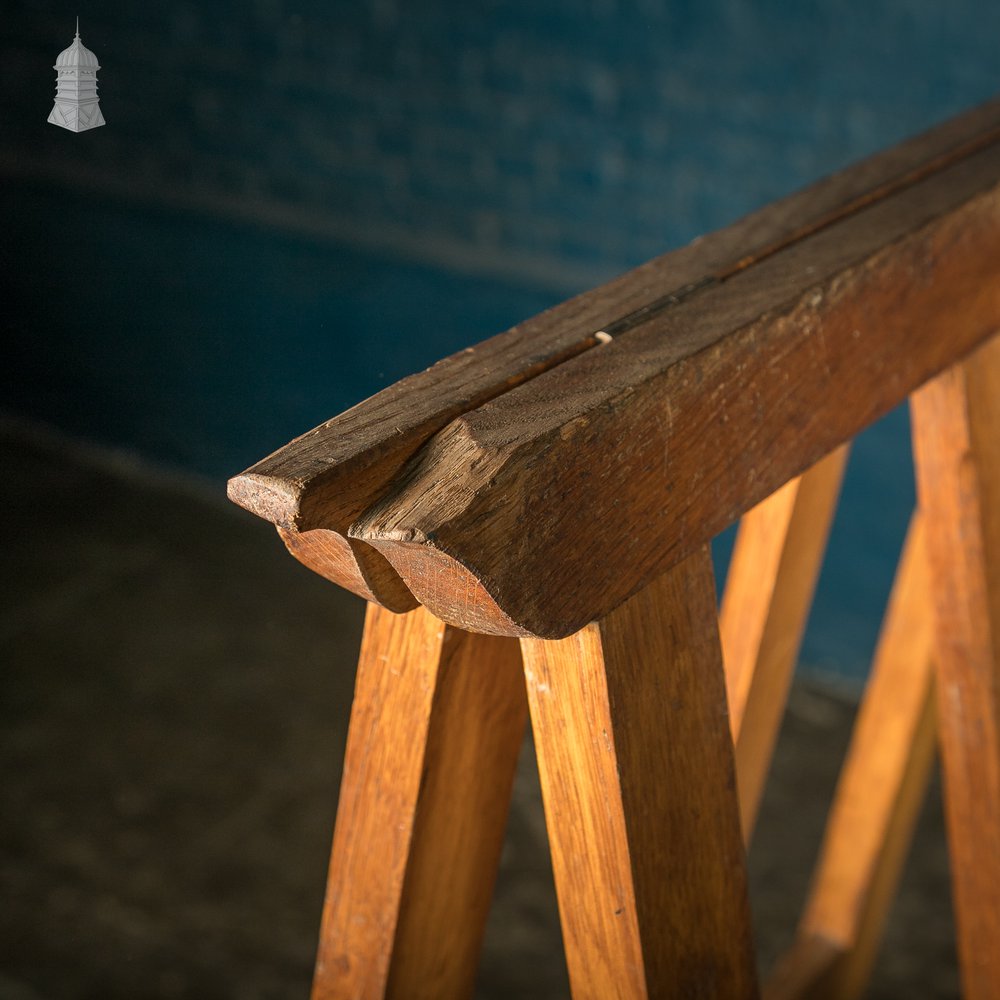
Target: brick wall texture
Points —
{"points": [[553, 141]]}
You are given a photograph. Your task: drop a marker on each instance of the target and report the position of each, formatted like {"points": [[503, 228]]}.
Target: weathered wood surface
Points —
{"points": [[875, 807], [321, 481], [769, 589], [636, 764], [550, 505], [435, 731], [956, 436], [351, 564], [324, 480]]}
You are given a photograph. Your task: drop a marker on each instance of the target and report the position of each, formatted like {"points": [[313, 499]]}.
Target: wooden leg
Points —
{"points": [[636, 763], [437, 723], [956, 429], [878, 798], [769, 589]]}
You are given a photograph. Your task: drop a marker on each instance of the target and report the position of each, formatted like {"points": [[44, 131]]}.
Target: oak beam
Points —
{"points": [[324, 480], [651, 445], [325, 477]]}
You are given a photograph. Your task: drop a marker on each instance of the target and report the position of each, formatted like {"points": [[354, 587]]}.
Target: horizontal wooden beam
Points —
{"points": [[328, 476], [550, 505], [548, 422]]}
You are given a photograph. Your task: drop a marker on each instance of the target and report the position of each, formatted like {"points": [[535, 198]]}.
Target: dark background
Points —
{"points": [[295, 204]]}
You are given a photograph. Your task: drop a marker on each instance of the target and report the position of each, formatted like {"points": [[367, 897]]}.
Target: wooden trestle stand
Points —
{"points": [[530, 520]]}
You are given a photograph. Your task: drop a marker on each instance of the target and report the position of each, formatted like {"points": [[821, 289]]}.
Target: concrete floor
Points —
{"points": [[173, 702]]}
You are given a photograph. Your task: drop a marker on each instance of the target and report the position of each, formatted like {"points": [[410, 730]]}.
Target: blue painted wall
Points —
{"points": [[552, 140], [293, 204]]}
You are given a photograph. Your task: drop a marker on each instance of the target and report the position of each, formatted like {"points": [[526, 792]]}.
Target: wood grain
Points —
{"points": [[351, 564], [435, 731], [327, 477], [560, 482], [635, 759], [358, 452], [956, 434], [322, 480], [878, 797], [769, 589], [650, 446]]}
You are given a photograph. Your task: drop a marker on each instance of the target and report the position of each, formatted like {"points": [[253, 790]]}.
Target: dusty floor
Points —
{"points": [[173, 701]]}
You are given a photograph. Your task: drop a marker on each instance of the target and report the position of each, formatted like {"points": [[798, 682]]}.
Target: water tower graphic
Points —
{"points": [[77, 105]]}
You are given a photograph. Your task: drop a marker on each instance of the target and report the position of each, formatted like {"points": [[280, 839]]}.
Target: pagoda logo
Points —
{"points": [[77, 106]]}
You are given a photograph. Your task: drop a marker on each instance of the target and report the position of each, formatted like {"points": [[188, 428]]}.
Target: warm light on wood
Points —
{"points": [[878, 797], [435, 731], [561, 483], [769, 588], [956, 438], [636, 764]]}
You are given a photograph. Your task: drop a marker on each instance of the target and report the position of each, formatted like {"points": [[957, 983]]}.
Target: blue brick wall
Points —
{"points": [[553, 141], [455, 167]]}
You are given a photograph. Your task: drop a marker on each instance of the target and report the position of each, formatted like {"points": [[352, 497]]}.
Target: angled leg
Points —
{"points": [[436, 726], [878, 797], [769, 589], [636, 763], [956, 433]]}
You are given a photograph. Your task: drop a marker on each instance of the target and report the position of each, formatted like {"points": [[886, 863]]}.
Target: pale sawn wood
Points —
{"points": [[878, 798], [956, 436], [636, 764], [436, 727], [769, 589]]}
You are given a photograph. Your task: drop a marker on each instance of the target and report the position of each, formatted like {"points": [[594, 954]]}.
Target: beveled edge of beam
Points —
{"points": [[271, 497], [325, 477], [443, 584], [315, 486]]}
